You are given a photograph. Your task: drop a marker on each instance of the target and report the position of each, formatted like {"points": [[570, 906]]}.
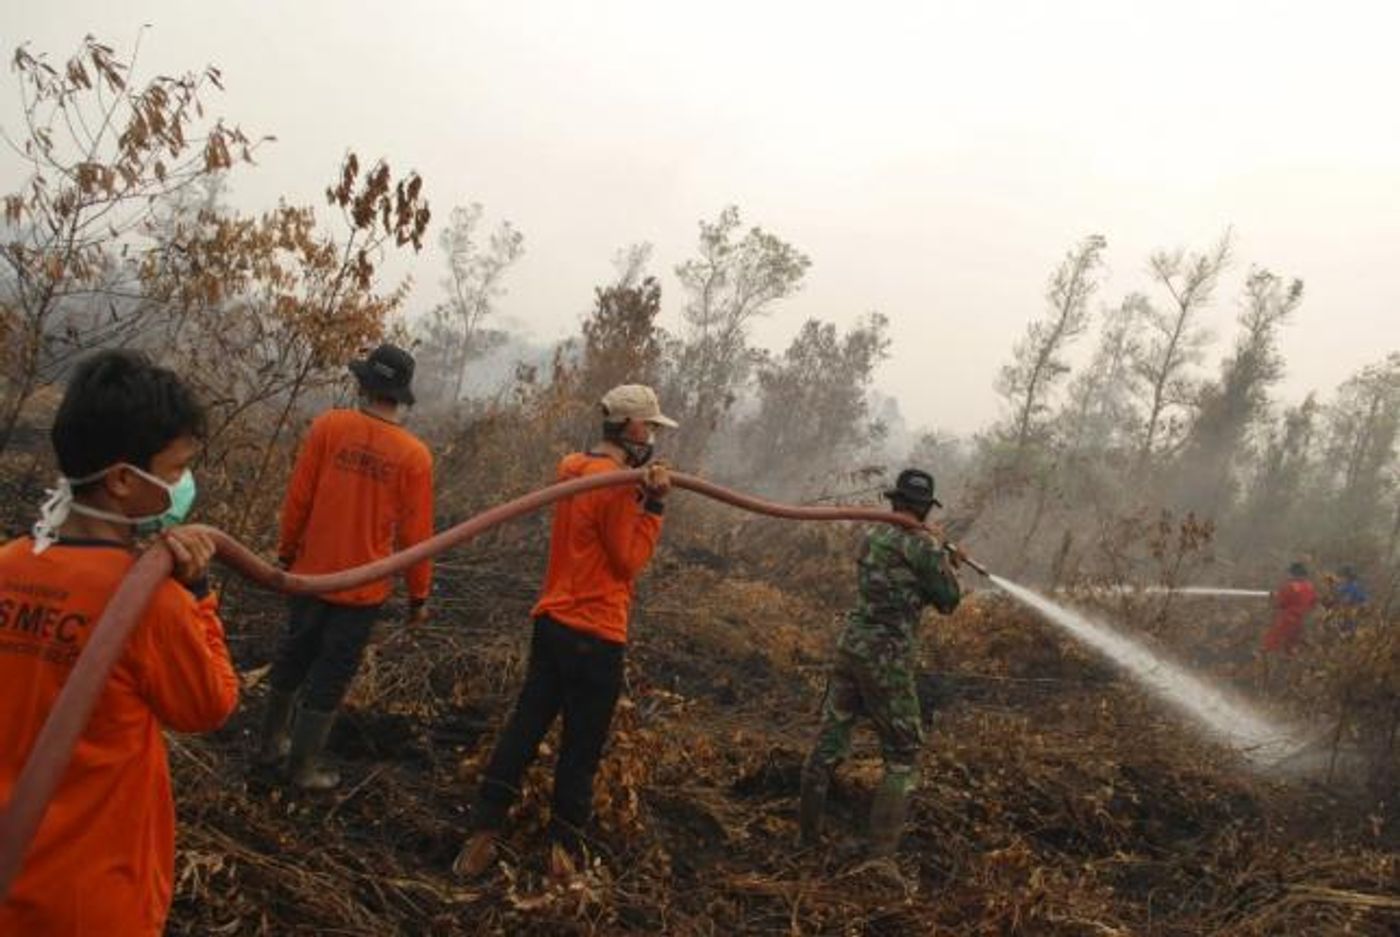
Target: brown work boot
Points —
{"points": [[477, 856], [886, 871], [561, 864]]}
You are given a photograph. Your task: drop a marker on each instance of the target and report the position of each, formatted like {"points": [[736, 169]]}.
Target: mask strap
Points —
{"points": [[59, 504]]}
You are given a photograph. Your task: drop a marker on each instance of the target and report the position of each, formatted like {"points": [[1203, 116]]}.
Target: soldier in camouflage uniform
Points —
{"points": [[900, 572]]}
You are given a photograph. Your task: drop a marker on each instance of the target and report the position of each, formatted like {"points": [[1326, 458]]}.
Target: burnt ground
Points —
{"points": [[1055, 799]]}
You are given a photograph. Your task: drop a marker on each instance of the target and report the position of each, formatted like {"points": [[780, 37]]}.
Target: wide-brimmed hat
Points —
{"points": [[914, 486], [387, 372]]}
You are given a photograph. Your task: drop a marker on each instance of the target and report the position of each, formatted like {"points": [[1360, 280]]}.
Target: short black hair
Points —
{"points": [[120, 406]]}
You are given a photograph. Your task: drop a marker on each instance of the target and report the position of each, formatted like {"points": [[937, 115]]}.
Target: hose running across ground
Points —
{"points": [[53, 749]]}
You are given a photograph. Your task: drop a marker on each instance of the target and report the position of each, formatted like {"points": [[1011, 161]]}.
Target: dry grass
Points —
{"points": [[1054, 799]]}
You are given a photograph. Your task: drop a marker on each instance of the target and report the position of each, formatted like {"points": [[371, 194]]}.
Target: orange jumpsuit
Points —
{"points": [[1293, 600]]}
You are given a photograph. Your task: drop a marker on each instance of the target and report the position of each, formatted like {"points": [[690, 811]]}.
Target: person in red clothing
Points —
{"points": [[103, 859], [1292, 602], [362, 487], [599, 543]]}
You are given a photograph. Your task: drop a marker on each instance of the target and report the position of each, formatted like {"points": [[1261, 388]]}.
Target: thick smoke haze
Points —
{"points": [[934, 160]]}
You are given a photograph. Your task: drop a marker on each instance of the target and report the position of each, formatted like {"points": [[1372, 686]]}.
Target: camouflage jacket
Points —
{"points": [[900, 572]]}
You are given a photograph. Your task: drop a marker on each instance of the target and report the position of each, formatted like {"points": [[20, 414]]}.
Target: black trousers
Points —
{"points": [[579, 676], [321, 650]]}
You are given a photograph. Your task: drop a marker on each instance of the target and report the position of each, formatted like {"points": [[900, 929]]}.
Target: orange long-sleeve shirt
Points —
{"points": [[361, 487], [103, 860], [600, 542]]}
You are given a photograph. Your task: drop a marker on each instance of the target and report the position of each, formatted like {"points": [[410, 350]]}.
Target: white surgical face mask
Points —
{"points": [[59, 504]]}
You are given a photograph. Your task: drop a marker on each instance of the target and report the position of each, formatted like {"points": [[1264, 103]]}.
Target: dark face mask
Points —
{"points": [[638, 453]]}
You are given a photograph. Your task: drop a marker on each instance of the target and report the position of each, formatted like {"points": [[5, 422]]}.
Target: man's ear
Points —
{"points": [[120, 482]]}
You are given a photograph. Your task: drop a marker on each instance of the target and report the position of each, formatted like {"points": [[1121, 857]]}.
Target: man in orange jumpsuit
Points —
{"points": [[362, 486], [102, 862], [599, 544], [1292, 602]]}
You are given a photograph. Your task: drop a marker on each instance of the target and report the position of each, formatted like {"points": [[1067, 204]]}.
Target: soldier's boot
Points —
{"points": [[887, 812], [816, 782]]}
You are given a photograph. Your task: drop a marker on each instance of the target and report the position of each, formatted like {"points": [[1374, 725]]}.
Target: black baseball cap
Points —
{"points": [[387, 372]]}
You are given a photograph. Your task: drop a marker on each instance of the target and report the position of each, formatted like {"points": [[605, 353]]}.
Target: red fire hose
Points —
{"points": [[54, 747]]}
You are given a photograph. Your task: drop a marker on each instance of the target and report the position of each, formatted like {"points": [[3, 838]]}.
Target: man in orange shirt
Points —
{"points": [[362, 486], [1293, 600], [600, 542], [103, 859]]}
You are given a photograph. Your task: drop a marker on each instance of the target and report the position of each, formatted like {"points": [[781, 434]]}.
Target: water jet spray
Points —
{"points": [[1235, 722], [1263, 742]]}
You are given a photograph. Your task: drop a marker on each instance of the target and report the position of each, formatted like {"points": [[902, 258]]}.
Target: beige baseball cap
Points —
{"points": [[635, 402]]}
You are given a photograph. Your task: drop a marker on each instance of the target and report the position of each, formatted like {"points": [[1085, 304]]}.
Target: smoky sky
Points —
{"points": [[935, 160]]}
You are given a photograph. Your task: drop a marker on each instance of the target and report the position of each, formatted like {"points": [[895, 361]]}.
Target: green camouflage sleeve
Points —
{"points": [[937, 583]]}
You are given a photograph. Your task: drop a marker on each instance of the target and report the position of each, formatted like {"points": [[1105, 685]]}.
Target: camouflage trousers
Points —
{"points": [[886, 693]]}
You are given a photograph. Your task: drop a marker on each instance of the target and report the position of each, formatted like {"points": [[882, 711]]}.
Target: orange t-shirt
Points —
{"points": [[103, 860], [361, 487], [600, 542]]}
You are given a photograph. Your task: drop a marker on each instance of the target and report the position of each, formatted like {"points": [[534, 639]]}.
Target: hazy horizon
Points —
{"points": [[934, 163]]}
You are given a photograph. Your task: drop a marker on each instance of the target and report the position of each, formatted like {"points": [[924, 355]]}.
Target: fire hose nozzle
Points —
{"points": [[960, 558]]}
